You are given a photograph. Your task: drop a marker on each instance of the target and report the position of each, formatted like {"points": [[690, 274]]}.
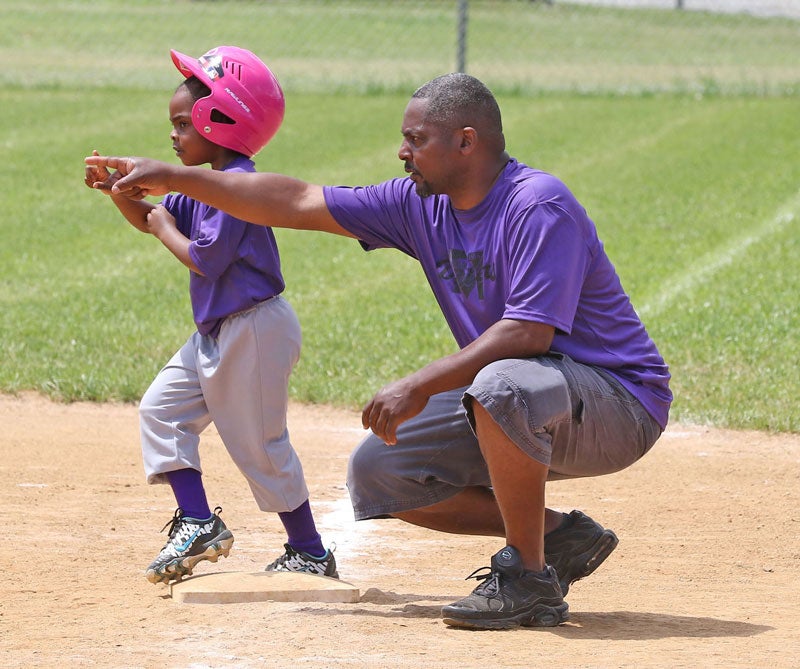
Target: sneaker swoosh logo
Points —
{"points": [[189, 541]]}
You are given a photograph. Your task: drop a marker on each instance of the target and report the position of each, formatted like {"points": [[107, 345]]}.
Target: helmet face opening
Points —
{"points": [[246, 105]]}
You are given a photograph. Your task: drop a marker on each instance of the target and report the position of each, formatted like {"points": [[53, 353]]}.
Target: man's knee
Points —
{"points": [[368, 465], [528, 389]]}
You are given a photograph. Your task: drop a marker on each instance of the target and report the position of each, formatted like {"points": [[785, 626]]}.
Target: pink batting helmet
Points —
{"points": [[243, 89]]}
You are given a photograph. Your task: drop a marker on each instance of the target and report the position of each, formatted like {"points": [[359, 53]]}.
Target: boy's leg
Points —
{"points": [[190, 493], [244, 375], [245, 381], [172, 416]]}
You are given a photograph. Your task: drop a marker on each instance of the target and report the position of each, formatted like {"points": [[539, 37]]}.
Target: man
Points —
{"points": [[556, 376]]}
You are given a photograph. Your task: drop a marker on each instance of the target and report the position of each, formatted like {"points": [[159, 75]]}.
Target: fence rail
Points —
{"points": [[525, 46]]}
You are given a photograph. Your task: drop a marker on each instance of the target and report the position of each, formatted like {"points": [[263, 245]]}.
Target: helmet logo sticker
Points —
{"points": [[212, 66], [238, 100]]}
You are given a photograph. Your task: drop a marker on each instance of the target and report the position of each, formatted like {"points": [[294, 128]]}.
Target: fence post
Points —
{"points": [[678, 4], [461, 55]]}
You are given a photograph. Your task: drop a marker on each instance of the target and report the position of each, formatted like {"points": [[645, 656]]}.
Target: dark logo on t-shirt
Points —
{"points": [[465, 271]]}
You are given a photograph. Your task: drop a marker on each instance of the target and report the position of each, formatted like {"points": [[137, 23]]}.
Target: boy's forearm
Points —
{"points": [[176, 244], [134, 211]]}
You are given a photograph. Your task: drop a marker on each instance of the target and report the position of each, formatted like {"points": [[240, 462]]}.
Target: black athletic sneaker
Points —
{"points": [[509, 597], [299, 561], [577, 550], [190, 541]]}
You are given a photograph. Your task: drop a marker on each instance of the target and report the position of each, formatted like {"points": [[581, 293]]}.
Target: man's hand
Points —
{"points": [[404, 399], [135, 178], [392, 405], [97, 174]]}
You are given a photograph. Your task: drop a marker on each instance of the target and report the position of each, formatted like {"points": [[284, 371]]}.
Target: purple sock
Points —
{"points": [[187, 486], [302, 531]]}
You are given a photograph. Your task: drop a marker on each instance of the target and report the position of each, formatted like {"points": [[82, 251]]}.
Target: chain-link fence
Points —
{"points": [[528, 46]]}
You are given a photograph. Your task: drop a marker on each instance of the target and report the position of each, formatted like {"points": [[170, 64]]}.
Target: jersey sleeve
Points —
{"points": [[548, 260], [215, 236], [217, 244], [379, 215]]}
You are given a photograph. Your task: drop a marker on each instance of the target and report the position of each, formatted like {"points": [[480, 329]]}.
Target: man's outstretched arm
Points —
{"points": [[263, 198]]}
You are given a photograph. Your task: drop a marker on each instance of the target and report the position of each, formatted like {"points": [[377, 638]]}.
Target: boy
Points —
{"points": [[234, 370]]}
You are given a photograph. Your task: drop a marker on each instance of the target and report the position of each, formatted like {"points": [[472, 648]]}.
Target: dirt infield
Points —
{"points": [[706, 573]]}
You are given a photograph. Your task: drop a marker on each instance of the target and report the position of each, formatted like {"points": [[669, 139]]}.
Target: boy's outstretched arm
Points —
{"points": [[263, 198]]}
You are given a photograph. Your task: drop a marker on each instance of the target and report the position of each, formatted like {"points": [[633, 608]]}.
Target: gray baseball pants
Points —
{"points": [[239, 381]]}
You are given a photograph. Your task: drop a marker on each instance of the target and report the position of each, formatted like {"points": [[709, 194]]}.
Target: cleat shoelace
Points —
{"points": [[173, 522]]}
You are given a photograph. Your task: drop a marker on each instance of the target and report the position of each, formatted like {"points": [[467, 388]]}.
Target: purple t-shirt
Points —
{"points": [[239, 261], [527, 252]]}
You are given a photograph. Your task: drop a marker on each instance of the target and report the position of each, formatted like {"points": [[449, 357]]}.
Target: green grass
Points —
{"points": [[601, 49], [695, 195], [368, 45]]}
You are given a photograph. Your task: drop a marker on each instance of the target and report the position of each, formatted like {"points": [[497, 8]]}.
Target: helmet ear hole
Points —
{"points": [[218, 117]]}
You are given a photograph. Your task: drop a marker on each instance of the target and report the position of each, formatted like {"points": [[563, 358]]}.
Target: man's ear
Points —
{"points": [[469, 139]]}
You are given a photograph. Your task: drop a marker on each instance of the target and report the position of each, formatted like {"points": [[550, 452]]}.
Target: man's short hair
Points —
{"points": [[458, 100]]}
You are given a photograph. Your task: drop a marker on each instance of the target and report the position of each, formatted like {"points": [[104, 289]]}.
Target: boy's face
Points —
{"points": [[189, 145]]}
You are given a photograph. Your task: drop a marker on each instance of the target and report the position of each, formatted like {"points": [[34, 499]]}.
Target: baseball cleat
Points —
{"points": [[298, 561], [191, 540]]}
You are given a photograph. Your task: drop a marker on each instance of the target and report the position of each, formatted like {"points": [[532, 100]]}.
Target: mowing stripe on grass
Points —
{"points": [[720, 257]]}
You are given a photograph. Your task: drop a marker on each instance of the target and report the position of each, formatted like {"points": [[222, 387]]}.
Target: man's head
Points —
{"points": [[456, 100], [452, 131]]}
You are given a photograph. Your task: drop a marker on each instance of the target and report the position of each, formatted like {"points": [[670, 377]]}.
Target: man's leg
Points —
{"points": [[577, 421], [512, 472], [436, 476], [520, 588], [474, 510], [504, 513]]}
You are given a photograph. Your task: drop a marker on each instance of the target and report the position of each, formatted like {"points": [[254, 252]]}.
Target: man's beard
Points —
{"points": [[423, 189]]}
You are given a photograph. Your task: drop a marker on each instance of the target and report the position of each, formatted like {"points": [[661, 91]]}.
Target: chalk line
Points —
{"points": [[720, 257]]}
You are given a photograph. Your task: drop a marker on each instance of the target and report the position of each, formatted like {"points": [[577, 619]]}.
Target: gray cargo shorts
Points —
{"points": [[576, 419]]}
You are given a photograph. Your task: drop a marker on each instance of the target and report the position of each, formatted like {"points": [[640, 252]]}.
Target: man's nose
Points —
{"points": [[403, 153]]}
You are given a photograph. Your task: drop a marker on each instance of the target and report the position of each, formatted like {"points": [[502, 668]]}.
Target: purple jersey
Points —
{"points": [[528, 251], [239, 261]]}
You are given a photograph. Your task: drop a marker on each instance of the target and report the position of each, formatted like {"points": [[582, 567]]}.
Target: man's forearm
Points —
{"points": [[262, 198], [253, 197], [505, 339]]}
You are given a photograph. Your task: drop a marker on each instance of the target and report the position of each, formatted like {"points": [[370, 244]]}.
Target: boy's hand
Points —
{"points": [[96, 174], [159, 220], [134, 178], [99, 178]]}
